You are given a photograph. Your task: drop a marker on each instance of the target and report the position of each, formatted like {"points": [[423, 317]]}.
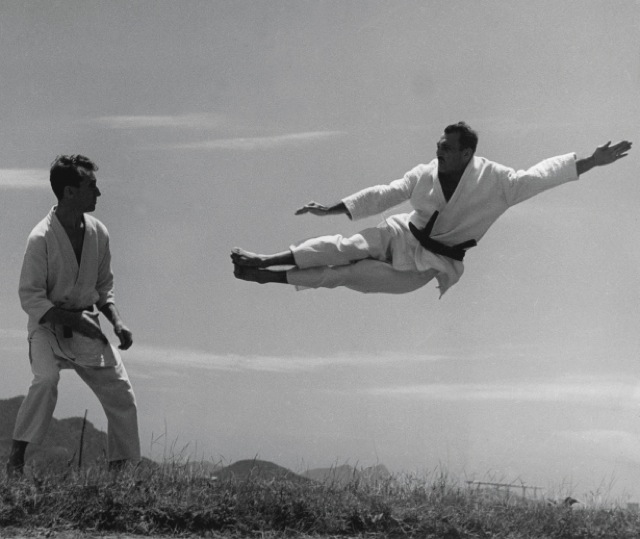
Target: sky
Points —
{"points": [[213, 121]]}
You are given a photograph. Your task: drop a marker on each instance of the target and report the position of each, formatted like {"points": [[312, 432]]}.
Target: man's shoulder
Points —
{"points": [[95, 224], [424, 169], [486, 165], [41, 229]]}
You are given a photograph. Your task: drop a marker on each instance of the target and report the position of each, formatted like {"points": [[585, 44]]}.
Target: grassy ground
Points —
{"points": [[175, 501]]}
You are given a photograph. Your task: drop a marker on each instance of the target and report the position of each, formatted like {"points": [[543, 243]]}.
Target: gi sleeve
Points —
{"points": [[104, 283], [32, 288], [524, 184], [376, 199]]}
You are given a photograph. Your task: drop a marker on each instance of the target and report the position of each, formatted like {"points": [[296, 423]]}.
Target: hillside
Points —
{"points": [[257, 469], [60, 449], [345, 474], [61, 444]]}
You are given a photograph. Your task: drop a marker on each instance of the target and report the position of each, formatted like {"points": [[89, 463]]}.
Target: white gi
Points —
{"points": [[388, 258], [51, 277]]}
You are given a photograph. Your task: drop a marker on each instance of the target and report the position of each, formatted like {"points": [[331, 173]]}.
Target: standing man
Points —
{"points": [[66, 280], [455, 198]]}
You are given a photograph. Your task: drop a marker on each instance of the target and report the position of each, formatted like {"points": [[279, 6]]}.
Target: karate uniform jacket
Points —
{"points": [[51, 277], [486, 190]]}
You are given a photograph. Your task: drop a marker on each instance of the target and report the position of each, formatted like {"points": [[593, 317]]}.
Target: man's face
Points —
{"points": [[86, 194], [450, 157]]}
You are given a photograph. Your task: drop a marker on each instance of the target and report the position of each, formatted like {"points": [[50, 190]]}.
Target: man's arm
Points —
{"points": [[122, 332], [105, 304], [603, 155], [372, 200], [322, 210]]}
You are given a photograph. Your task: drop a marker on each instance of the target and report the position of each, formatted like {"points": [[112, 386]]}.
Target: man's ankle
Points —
{"points": [[15, 462], [15, 468], [117, 465]]}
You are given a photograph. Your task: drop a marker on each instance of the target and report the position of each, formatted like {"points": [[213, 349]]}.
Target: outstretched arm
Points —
{"points": [[603, 155], [372, 200], [320, 209]]}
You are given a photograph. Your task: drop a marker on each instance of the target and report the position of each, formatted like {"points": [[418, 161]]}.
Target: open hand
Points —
{"points": [[313, 208], [607, 154]]}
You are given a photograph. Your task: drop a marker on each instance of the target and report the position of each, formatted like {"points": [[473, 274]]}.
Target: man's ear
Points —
{"points": [[69, 191]]}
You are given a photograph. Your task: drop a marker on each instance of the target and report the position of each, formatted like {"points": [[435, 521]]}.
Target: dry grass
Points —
{"points": [[174, 500]]}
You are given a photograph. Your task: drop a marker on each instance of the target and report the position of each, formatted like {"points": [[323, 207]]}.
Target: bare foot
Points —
{"points": [[257, 275], [248, 273], [15, 469], [240, 257]]}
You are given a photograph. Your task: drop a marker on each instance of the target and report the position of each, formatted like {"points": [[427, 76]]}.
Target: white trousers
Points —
{"points": [[110, 384], [362, 262]]}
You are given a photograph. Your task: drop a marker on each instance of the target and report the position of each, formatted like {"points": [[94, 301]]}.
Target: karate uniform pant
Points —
{"points": [[110, 384], [362, 262]]}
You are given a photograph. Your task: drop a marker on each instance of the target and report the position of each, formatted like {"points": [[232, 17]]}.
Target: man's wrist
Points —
{"points": [[339, 208], [118, 325], [585, 164]]}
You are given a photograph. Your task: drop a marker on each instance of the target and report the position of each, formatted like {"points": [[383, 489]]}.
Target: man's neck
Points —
{"points": [[449, 182], [70, 218]]}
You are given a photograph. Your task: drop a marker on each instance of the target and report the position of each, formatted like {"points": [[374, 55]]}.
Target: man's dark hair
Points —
{"points": [[467, 137], [68, 170]]}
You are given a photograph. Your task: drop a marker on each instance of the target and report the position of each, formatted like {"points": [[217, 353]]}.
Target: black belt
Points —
{"points": [[456, 252], [67, 332]]}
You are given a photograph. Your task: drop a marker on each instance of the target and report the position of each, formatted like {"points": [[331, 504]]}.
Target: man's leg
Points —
{"points": [[112, 387], [36, 410], [335, 250], [366, 276]]}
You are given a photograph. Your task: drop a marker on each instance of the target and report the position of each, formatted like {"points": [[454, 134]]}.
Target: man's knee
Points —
{"points": [[46, 382], [122, 391]]}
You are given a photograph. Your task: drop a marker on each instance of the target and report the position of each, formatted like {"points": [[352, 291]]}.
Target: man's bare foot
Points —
{"points": [[15, 462], [248, 273], [257, 275], [14, 469], [240, 257]]}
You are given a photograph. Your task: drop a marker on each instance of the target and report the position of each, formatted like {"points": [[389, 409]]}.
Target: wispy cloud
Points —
{"points": [[184, 359], [586, 390], [181, 121], [214, 122], [24, 178], [261, 143]]}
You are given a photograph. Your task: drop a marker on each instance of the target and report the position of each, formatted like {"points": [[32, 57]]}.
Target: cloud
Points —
{"points": [[24, 178], [585, 390], [212, 122], [185, 358], [182, 121], [260, 143]]}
